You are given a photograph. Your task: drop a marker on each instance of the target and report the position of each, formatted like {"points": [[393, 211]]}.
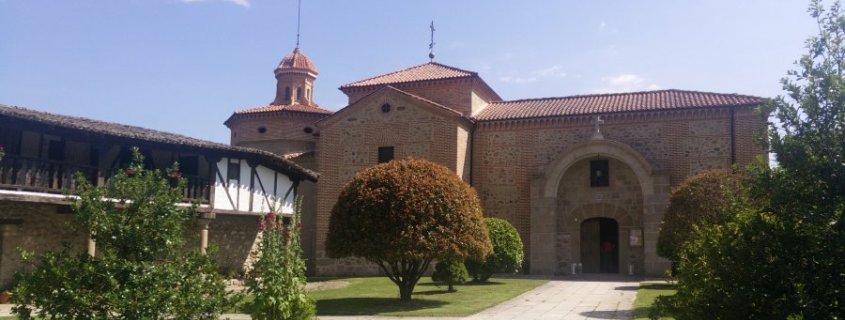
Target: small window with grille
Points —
{"points": [[599, 173]]}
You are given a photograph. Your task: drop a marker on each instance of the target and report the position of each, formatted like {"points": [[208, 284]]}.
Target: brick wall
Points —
{"points": [[456, 94], [507, 156], [284, 131], [350, 141]]}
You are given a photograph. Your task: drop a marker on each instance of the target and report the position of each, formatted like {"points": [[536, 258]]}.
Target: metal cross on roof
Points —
{"points": [[596, 124], [298, 20], [431, 45]]}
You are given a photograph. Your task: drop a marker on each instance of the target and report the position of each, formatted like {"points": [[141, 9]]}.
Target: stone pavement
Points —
{"points": [[568, 298]]}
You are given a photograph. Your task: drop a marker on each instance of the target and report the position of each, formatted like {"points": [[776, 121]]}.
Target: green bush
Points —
{"points": [[507, 255], [277, 279], [450, 272], [783, 255], [144, 270], [700, 200], [402, 215], [734, 271]]}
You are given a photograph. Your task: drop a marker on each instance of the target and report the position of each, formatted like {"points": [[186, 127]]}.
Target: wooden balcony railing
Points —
{"points": [[40, 175]]}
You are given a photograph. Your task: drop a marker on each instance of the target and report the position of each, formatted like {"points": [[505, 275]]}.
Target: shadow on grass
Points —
{"points": [[627, 288], [608, 314], [658, 286], [372, 306], [432, 292], [469, 283]]}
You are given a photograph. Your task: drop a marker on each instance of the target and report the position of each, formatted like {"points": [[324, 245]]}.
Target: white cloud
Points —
{"points": [[517, 79], [602, 25], [624, 83], [550, 72], [242, 3]]}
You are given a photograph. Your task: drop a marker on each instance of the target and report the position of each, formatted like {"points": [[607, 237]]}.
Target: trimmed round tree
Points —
{"points": [[507, 255], [403, 214], [701, 200]]}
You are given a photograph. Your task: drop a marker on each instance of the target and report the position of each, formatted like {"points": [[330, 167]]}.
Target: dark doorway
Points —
{"points": [[600, 245]]}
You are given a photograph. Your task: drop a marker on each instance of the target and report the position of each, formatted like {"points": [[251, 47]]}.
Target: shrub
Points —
{"points": [[144, 271], [277, 280], [700, 200], [782, 257], [507, 255], [403, 214], [451, 272]]}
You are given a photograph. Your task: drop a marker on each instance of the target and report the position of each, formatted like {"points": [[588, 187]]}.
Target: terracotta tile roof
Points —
{"points": [[608, 103], [133, 134], [297, 60], [292, 108], [423, 72]]}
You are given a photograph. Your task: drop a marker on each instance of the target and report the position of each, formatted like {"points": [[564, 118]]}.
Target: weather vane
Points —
{"points": [[298, 20], [431, 45]]}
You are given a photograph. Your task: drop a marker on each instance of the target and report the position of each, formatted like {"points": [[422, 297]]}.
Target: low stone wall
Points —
{"points": [[235, 237], [36, 228]]}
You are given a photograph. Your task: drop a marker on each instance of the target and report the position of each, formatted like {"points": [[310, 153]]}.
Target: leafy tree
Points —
{"points": [[451, 272], [277, 280], [703, 199], [403, 214], [144, 271], [786, 255], [507, 255]]}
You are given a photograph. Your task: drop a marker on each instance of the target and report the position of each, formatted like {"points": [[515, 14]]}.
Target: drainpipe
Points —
{"points": [[733, 136], [471, 151]]}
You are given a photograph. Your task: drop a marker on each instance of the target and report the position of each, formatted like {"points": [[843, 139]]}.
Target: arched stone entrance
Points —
{"points": [[563, 196]]}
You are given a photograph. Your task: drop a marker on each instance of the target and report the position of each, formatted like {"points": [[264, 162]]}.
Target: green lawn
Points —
{"points": [[379, 296], [646, 294]]}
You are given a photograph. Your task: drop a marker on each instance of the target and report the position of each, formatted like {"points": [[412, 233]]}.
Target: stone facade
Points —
{"points": [[36, 228], [42, 227]]}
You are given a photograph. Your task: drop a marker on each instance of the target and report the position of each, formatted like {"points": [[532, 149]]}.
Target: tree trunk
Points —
{"points": [[405, 290]]}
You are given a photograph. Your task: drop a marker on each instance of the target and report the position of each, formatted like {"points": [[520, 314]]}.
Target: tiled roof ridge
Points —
{"points": [[356, 83], [432, 102], [654, 100], [316, 107], [435, 104], [590, 95]]}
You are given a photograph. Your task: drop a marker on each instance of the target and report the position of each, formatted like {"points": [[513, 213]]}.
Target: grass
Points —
{"points": [[646, 294], [379, 296]]}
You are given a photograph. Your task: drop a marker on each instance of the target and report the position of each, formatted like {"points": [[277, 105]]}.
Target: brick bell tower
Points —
{"points": [[295, 77]]}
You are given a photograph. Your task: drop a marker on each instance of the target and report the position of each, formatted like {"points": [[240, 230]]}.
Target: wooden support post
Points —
{"points": [[92, 245], [204, 234]]}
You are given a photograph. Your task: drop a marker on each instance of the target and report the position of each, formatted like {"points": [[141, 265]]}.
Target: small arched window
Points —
{"points": [[308, 94], [287, 93], [298, 94]]}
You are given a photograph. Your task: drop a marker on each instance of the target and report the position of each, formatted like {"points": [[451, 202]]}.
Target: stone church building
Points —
{"points": [[585, 179]]}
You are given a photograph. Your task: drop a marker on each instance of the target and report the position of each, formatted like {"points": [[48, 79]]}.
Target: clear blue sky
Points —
{"points": [[185, 66]]}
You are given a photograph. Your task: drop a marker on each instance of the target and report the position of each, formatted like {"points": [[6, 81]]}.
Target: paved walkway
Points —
{"points": [[585, 297]]}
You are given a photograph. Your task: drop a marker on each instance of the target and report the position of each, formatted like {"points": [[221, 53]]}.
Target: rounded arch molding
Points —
{"points": [[544, 233], [554, 172]]}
